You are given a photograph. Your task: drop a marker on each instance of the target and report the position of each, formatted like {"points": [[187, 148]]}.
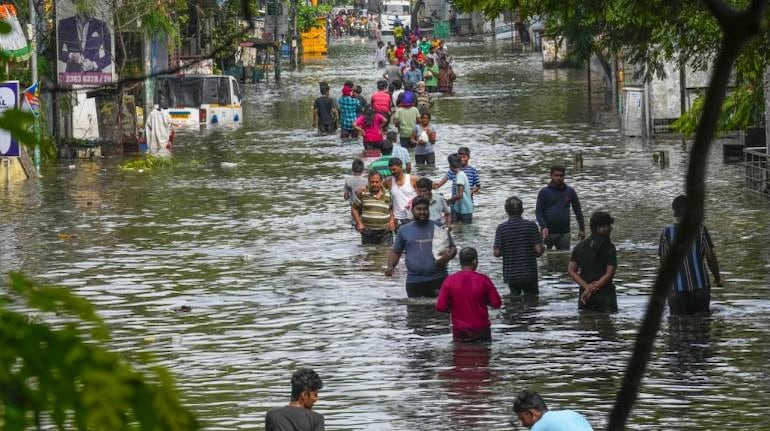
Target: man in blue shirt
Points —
{"points": [[534, 414], [461, 200], [424, 273], [552, 211]]}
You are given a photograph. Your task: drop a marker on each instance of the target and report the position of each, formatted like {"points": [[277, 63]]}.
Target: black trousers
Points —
{"points": [[376, 236], [524, 287], [683, 303], [425, 289]]}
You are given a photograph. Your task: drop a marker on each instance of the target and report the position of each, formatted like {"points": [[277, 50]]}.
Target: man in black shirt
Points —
{"points": [[552, 211], [593, 265], [298, 416], [325, 112]]}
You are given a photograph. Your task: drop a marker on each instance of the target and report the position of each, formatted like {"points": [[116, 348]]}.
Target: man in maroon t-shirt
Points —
{"points": [[381, 100], [466, 295]]}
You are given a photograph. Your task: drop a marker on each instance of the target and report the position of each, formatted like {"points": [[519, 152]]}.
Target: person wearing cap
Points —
{"points": [[592, 265], [405, 119], [531, 410], [349, 107]]}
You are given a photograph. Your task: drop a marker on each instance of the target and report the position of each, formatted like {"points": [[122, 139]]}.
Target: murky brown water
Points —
{"points": [[276, 278]]}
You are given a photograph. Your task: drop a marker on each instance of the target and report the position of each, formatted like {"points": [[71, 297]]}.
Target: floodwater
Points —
{"points": [[264, 255]]}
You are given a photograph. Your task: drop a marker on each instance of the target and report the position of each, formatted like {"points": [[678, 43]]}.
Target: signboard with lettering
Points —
{"points": [[274, 8], [9, 99], [85, 45]]}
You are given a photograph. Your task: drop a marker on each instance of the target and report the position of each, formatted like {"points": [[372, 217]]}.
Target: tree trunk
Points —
{"points": [[767, 108], [737, 27]]}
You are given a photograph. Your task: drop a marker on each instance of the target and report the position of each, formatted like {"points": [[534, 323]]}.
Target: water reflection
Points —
{"points": [[468, 382], [424, 320], [690, 344], [600, 323], [264, 253]]}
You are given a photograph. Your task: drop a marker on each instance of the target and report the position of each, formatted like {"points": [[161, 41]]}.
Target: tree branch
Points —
{"points": [[736, 29]]}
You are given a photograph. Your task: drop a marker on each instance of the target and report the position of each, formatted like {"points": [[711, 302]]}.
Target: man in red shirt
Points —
{"points": [[381, 99], [400, 50], [466, 295]]}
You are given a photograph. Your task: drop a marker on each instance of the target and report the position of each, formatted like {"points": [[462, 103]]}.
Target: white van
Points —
{"points": [[392, 9], [200, 100]]}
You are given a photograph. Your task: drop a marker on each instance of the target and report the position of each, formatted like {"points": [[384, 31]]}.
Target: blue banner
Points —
{"points": [[9, 99]]}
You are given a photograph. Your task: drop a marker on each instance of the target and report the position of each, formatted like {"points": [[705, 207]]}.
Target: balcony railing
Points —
{"points": [[757, 165]]}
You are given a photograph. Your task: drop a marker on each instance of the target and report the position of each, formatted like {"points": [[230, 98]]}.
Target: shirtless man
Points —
{"points": [[403, 188]]}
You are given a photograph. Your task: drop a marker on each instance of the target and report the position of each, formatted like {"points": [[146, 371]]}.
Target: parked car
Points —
{"points": [[505, 31]]}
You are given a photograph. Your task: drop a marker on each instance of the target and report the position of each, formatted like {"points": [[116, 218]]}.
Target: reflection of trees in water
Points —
{"points": [[689, 341]]}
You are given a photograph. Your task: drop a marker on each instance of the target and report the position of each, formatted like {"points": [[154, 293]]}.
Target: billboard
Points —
{"points": [[9, 99], [85, 43]]}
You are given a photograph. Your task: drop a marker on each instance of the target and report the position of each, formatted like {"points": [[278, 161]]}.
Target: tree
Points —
{"points": [[649, 33], [738, 28], [60, 373]]}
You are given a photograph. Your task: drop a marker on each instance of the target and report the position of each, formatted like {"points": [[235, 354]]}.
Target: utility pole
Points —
{"points": [[292, 33], [33, 65]]}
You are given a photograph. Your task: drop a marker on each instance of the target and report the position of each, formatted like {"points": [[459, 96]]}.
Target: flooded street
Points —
{"points": [[276, 278]]}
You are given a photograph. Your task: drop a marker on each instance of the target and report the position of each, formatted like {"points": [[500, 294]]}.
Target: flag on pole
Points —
{"points": [[13, 44], [31, 99]]}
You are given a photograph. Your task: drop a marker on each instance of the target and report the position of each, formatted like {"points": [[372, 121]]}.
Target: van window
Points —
{"points": [[177, 92], [396, 9], [224, 91], [236, 91]]}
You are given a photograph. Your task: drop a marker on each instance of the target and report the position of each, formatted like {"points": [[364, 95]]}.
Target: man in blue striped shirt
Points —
{"points": [[349, 107], [464, 153], [691, 292]]}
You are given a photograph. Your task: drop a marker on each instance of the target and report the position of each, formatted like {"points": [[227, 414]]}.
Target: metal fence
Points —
{"points": [[757, 165]]}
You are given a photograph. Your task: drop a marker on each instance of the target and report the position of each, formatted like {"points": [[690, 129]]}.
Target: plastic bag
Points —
{"points": [[440, 241], [424, 137]]}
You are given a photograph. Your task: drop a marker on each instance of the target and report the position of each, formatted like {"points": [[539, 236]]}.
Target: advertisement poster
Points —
{"points": [[85, 44], [9, 99]]}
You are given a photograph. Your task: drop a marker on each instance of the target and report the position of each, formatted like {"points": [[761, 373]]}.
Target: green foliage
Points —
{"points": [[148, 163], [648, 33], [18, 123], [61, 374], [307, 16], [740, 110]]}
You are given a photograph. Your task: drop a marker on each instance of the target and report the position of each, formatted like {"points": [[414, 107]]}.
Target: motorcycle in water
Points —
{"points": [[362, 28]]}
